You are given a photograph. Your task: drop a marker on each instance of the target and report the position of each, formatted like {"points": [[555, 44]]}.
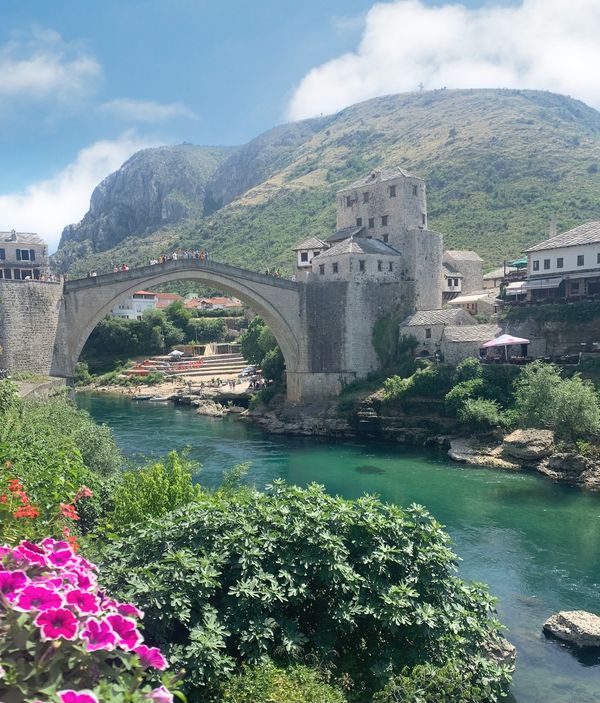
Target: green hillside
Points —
{"points": [[498, 164]]}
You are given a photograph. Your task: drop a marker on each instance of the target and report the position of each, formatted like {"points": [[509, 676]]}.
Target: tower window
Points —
{"points": [[365, 197], [361, 265], [335, 267], [385, 238], [321, 269], [349, 201], [372, 225], [380, 265], [415, 191], [359, 221], [392, 191], [424, 216], [391, 266], [384, 220]]}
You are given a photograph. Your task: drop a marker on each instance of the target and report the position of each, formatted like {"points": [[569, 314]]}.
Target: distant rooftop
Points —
{"points": [[471, 333], [452, 316], [361, 245], [345, 233], [312, 243], [462, 255], [498, 273], [472, 298], [450, 272], [22, 237], [379, 176], [589, 233]]}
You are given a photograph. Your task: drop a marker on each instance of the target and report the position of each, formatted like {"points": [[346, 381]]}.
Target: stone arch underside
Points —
{"points": [[278, 306]]}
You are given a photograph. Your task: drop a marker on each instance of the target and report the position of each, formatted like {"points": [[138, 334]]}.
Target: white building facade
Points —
{"points": [[135, 306]]}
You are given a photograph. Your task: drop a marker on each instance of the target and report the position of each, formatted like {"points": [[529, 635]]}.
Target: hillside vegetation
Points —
{"points": [[498, 164]]}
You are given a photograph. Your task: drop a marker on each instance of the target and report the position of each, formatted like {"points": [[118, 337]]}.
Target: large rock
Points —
{"points": [[501, 651], [473, 453], [528, 445], [572, 468], [210, 408], [578, 627]]}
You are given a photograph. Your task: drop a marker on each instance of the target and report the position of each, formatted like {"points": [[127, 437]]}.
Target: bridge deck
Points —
{"points": [[181, 265]]}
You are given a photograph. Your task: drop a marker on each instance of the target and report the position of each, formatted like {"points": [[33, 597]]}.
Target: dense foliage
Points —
{"points": [[363, 587], [259, 347]]}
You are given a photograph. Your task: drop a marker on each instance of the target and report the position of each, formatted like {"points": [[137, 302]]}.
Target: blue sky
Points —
{"points": [[84, 83]]}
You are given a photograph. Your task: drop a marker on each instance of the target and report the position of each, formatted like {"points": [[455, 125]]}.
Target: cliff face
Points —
{"points": [[154, 188]]}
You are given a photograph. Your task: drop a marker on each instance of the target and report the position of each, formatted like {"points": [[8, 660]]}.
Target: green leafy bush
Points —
{"points": [[267, 683], [481, 414], [428, 381], [9, 396], [469, 369], [465, 390], [364, 587]]}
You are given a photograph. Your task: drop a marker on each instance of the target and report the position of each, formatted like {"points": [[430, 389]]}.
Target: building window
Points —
{"points": [[380, 265], [359, 221], [321, 269], [316, 252], [415, 191], [1, 273], [385, 238], [7, 273], [2, 254], [384, 220], [450, 282], [428, 333], [546, 264], [560, 262], [580, 260], [365, 197], [597, 257], [391, 266], [303, 256], [575, 287], [456, 282], [372, 224], [424, 216], [536, 265], [17, 274], [361, 265], [392, 191], [335, 267], [349, 201]]}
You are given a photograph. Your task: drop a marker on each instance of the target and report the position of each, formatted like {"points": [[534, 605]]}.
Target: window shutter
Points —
{"points": [[18, 255], [32, 255]]}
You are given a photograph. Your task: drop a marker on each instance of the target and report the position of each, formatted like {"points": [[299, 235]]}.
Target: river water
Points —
{"points": [[536, 543]]}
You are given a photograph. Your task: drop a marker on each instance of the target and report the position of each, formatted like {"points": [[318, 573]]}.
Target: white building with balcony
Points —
{"points": [[566, 265], [23, 256], [136, 305]]}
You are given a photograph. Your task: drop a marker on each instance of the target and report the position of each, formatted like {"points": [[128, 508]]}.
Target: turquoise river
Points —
{"points": [[536, 543]]}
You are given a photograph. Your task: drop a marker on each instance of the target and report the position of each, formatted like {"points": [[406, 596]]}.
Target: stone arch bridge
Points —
{"points": [[44, 326]]}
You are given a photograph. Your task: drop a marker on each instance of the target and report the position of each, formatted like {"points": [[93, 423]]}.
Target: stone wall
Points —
{"points": [[29, 320]]}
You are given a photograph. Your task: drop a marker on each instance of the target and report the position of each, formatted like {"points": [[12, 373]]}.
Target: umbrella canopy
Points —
{"points": [[519, 263], [176, 352], [505, 340]]}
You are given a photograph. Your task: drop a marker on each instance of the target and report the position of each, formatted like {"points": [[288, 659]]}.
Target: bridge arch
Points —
{"points": [[87, 301]]}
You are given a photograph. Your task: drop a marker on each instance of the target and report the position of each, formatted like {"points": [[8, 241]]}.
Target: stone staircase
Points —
{"points": [[205, 366]]}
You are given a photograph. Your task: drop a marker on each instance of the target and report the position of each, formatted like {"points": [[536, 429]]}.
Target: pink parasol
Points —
{"points": [[505, 340]]}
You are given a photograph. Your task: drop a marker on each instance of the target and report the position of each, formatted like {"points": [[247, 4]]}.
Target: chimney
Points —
{"points": [[552, 230]]}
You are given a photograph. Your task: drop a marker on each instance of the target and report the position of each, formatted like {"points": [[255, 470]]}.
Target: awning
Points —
{"points": [[515, 288], [505, 340], [519, 263], [542, 283], [176, 352]]}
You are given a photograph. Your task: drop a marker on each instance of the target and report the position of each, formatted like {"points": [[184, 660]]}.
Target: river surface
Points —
{"points": [[536, 543]]}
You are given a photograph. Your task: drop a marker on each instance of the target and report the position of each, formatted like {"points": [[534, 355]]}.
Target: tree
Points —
{"points": [[577, 408], [536, 394], [249, 341]]}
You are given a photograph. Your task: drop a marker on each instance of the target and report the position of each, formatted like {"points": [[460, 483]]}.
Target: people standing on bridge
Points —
{"points": [[174, 257], [115, 269]]}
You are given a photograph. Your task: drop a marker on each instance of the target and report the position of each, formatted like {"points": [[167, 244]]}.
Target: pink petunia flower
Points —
{"points": [[160, 695], [126, 629], [70, 696], [57, 623], [60, 558], [30, 553], [98, 634], [128, 609], [151, 657], [11, 582], [82, 600], [34, 597]]}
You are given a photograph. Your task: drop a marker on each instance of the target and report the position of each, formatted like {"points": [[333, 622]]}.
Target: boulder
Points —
{"points": [[501, 651], [210, 408], [578, 627], [528, 445], [470, 452]]}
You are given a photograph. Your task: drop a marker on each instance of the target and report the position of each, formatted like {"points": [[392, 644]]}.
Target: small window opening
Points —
{"points": [[361, 265], [392, 191]]}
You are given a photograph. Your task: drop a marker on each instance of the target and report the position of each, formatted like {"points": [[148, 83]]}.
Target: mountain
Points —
{"points": [[498, 165]]}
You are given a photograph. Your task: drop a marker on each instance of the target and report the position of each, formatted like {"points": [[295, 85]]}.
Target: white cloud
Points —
{"points": [[46, 207], [42, 66], [540, 44], [146, 110]]}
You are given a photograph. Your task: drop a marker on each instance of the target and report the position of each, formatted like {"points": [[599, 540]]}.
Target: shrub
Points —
{"points": [[9, 396], [395, 388], [535, 394], [61, 633], [267, 683], [428, 381], [83, 377], [463, 391], [362, 586], [152, 491], [481, 414], [577, 409], [469, 369]]}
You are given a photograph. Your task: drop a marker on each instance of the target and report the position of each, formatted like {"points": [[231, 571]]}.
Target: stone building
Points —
{"points": [[469, 265], [427, 328], [483, 303], [305, 253], [23, 256], [464, 341], [451, 283]]}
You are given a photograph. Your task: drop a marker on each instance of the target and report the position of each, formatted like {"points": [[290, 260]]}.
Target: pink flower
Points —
{"points": [[37, 598], [70, 696], [58, 622], [2, 672], [11, 582], [30, 553], [84, 602], [126, 629], [160, 695], [128, 609], [60, 558], [150, 657], [98, 634]]}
